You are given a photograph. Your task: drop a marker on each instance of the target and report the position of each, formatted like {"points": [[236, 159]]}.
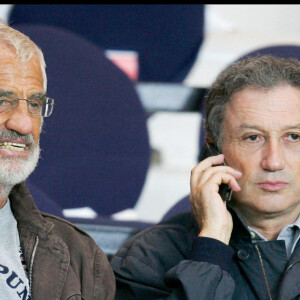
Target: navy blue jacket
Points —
{"points": [[169, 261]]}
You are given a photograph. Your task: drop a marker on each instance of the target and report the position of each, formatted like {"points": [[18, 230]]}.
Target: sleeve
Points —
{"points": [[104, 280], [204, 275]]}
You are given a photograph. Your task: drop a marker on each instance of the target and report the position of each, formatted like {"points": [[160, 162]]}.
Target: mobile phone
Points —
{"points": [[224, 190]]}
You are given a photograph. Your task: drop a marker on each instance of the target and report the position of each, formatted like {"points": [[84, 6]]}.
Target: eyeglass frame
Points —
{"points": [[15, 101]]}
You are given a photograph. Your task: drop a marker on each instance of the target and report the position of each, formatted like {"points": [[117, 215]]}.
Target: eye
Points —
{"points": [[252, 138], [35, 104], [4, 102], [293, 137]]}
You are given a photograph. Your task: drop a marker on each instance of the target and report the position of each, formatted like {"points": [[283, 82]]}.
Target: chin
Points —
{"points": [[15, 171], [275, 204], [268, 204]]}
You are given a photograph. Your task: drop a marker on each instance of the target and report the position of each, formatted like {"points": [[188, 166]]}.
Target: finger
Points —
{"points": [[203, 165], [210, 189], [225, 169], [218, 178]]}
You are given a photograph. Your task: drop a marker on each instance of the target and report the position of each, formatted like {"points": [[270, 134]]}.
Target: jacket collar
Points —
{"points": [[25, 210]]}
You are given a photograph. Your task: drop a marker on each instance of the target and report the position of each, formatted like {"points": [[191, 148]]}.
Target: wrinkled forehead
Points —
{"points": [[273, 98], [280, 105], [21, 78]]}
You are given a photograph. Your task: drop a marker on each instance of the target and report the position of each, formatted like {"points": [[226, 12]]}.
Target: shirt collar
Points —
{"points": [[256, 236]]}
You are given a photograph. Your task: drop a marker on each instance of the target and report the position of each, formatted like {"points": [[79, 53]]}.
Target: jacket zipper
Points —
{"points": [[264, 272], [31, 263]]}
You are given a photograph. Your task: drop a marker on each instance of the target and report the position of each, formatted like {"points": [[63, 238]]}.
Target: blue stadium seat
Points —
{"points": [[43, 202], [180, 206], [95, 146], [166, 37]]}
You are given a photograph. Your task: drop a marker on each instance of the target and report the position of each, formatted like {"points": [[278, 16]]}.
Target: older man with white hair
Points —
{"points": [[41, 256]]}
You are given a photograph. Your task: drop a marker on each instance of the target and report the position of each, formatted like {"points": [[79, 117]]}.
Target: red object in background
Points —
{"points": [[127, 61]]}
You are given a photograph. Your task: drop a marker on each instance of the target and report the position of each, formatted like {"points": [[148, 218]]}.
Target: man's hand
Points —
{"points": [[209, 209]]}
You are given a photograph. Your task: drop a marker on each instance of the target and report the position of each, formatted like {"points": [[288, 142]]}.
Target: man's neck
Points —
{"points": [[268, 225], [270, 232]]}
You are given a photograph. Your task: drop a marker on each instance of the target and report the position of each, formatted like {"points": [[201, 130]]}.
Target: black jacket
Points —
{"points": [[169, 261]]}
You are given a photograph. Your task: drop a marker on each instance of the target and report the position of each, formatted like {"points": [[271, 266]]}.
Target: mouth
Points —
{"points": [[272, 186], [13, 146]]}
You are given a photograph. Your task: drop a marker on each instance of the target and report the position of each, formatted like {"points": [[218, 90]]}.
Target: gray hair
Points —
{"points": [[259, 72], [24, 47]]}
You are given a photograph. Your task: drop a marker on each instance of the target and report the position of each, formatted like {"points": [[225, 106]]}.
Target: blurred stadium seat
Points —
{"points": [[95, 150], [167, 38]]}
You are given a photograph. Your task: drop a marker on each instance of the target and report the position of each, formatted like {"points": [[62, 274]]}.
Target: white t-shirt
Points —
{"points": [[14, 284]]}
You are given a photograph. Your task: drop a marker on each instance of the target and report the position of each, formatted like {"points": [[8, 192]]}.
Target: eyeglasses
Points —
{"points": [[40, 107]]}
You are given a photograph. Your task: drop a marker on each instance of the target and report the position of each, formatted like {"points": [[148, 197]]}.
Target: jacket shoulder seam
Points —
{"points": [[50, 216]]}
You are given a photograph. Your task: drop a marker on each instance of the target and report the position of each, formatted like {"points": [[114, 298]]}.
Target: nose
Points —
{"points": [[273, 156], [20, 119]]}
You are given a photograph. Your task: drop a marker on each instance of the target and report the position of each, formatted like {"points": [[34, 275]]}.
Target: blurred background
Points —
{"points": [[215, 35]]}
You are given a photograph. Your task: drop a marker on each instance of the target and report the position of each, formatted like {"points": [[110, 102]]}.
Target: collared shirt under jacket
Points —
{"points": [[170, 261]]}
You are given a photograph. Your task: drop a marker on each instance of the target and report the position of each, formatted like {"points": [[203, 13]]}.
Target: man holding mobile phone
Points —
{"points": [[248, 247]]}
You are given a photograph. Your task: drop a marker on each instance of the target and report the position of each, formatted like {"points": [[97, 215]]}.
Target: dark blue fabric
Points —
{"points": [[167, 37], [286, 50], [95, 146], [108, 221], [181, 206], [212, 251], [43, 202]]}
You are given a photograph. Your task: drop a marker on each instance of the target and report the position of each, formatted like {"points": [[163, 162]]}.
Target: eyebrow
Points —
{"points": [[4, 93], [37, 95], [247, 126]]}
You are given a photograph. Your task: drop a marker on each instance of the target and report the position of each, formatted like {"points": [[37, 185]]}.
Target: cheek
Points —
{"points": [[240, 161], [292, 159], [36, 131], [235, 158], [296, 173]]}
